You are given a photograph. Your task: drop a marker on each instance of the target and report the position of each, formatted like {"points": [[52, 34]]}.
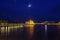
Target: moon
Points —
{"points": [[29, 5]]}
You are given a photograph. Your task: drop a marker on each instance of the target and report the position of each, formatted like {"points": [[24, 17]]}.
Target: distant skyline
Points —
{"points": [[39, 10]]}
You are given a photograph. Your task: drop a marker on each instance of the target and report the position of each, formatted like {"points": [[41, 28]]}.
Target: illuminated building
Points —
{"points": [[6, 26], [30, 27]]}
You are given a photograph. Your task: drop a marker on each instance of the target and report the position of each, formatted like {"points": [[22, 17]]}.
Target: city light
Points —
{"points": [[7, 27], [30, 24]]}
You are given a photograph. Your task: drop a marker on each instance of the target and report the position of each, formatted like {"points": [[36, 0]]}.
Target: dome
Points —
{"points": [[30, 23]]}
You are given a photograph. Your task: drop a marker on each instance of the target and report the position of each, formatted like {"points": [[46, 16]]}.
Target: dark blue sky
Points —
{"points": [[40, 10]]}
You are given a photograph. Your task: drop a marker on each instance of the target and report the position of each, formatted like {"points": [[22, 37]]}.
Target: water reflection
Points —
{"points": [[52, 32], [23, 33]]}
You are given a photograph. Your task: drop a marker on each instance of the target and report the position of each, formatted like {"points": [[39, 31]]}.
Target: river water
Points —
{"points": [[39, 33]]}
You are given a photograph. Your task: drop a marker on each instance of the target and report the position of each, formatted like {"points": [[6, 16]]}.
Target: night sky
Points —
{"points": [[40, 10]]}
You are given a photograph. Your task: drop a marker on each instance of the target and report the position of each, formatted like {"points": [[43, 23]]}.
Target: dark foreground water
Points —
{"points": [[52, 33]]}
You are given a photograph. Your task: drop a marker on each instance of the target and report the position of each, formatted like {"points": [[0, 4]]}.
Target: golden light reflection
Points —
{"points": [[9, 28], [30, 24], [2, 29]]}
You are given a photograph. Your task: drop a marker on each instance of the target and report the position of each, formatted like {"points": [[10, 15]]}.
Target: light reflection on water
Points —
{"points": [[38, 33]]}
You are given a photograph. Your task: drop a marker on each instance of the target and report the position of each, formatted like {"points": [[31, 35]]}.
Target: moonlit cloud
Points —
{"points": [[29, 5]]}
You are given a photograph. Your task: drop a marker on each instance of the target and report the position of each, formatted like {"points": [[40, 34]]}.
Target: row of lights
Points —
{"points": [[28, 23]]}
